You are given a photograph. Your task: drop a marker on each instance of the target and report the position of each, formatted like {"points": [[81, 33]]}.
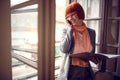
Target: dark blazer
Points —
{"points": [[67, 42], [67, 45]]}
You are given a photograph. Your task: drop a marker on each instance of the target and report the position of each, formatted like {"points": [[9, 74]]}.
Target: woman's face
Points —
{"points": [[74, 19]]}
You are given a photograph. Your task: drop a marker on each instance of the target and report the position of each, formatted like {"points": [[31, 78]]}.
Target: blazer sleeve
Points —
{"points": [[67, 39]]}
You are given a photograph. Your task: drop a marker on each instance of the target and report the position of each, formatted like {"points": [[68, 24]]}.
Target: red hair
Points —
{"points": [[75, 7]]}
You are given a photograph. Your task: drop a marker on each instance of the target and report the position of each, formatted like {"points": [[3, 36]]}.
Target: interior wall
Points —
{"points": [[5, 41]]}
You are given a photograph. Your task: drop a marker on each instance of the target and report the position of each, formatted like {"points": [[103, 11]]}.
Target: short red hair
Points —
{"points": [[75, 7]]}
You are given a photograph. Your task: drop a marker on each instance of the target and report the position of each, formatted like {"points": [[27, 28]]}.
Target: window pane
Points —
{"points": [[60, 20], [24, 44], [22, 71], [113, 32], [94, 25], [115, 9], [91, 8], [24, 31]]}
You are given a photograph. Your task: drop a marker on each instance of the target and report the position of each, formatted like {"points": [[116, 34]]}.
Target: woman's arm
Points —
{"points": [[67, 39]]}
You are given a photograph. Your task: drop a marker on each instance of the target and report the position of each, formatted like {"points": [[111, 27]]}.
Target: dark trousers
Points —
{"points": [[79, 73]]}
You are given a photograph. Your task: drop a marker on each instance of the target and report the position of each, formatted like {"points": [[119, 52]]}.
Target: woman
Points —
{"points": [[78, 43]]}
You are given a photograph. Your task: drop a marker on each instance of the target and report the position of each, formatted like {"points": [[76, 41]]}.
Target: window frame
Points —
{"points": [[46, 41]]}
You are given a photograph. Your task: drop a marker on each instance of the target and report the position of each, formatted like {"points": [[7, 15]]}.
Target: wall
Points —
{"points": [[5, 44]]}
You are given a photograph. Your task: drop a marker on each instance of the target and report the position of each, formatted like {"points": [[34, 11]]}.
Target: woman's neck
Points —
{"points": [[80, 23]]}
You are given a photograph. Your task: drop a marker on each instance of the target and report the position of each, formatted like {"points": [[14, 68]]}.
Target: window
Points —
{"points": [[113, 35], [60, 24], [24, 39], [33, 40]]}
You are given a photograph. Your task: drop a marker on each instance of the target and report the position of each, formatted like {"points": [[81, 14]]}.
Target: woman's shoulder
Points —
{"points": [[90, 30]]}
